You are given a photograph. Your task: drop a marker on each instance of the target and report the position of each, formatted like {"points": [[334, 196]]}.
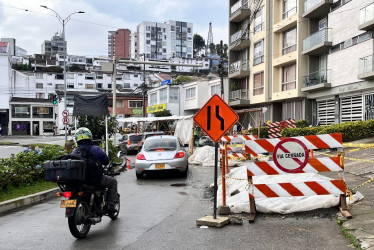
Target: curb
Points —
{"points": [[8, 206]]}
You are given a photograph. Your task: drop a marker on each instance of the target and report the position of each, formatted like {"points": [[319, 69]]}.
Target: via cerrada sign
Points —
{"points": [[290, 155]]}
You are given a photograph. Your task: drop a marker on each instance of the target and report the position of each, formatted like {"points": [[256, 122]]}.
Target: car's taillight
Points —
{"points": [[140, 156], [128, 142], [179, 154], [67, 194]]}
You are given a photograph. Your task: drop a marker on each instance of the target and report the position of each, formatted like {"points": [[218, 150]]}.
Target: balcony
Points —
{"points": [[367, 18], [318, 43], [365, 68], [239, 41], [316, 81], [239, 11], [316, 8], [239, 69], [239, 97]]}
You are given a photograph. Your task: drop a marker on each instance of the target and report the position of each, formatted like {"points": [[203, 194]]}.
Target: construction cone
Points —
{"points": [[128, 164]]}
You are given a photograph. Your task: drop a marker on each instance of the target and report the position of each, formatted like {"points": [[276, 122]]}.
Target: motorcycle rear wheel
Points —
{"points": [[114, 216], [76, 223]]}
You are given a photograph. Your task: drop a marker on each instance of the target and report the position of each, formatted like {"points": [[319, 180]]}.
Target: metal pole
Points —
{"points": [[114, 94], [215, 180], [143, 87], [221, 69], [65, 53]]}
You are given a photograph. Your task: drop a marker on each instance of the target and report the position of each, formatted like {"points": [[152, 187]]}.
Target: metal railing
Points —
{"points": [[238, 5], [321, 36], [239, 35], [289, 13], [239, 95], [309, 4], [367, 14], [365, 64], [315, 78], [239, 65]]}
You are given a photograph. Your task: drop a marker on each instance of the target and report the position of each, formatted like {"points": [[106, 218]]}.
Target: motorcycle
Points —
{"points": [[84, 206]]}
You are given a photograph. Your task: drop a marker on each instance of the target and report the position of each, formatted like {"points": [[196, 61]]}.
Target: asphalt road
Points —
{"points": [[157, 214]]}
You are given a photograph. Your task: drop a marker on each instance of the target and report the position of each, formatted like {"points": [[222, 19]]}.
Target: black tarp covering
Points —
{"points": [[90, 105]]}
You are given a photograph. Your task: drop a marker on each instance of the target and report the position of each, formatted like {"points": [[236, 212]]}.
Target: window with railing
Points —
{"points": [[258, 56], [365, 64], [238, 65], [239, 35], [135, 104], [289, 77], [367, 14], [258, 83], [289, 41], [259, 23], [309, 4], [238, 5], [323, 35], [315, 78], [289, 8]]}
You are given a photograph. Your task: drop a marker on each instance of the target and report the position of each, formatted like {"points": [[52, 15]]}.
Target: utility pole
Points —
{"points": [[114, 112], [221, 69], [144, 90]]}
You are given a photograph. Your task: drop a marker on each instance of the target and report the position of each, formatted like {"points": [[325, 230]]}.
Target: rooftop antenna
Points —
{"points": [[210, 39]]}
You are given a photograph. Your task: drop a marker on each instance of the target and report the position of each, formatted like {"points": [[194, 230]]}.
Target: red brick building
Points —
{"points": [[119, 44], [127, 105]]}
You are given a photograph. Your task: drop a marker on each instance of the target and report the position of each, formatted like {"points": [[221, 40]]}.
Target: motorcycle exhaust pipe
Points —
{"points": [[95, 220]]}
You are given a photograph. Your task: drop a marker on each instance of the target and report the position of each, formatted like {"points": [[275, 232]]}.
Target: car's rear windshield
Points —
{"points": [[161, 144], [149, 135], [135, 138]]}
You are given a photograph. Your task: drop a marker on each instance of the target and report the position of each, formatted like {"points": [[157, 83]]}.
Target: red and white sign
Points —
{"points": [[65, 113], [290, 155], [65, 120]]}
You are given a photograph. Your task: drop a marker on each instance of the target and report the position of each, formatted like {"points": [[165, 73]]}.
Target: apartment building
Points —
{"points": [[163, 40], [119, 43], [54, 46]]}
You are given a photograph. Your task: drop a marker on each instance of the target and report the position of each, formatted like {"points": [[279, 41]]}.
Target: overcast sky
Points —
{"points": [[86, 33]]}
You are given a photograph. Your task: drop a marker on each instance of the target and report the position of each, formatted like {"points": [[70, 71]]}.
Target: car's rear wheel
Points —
{"points": [[139, 176], [184, 174]]}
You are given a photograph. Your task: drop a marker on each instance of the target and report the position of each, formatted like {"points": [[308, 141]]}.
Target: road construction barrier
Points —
{"points": [[275, 128], [235, 155], [291, 155]]}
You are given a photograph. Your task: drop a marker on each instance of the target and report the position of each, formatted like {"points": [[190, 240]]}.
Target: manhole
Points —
{"points": [[178, 185]]}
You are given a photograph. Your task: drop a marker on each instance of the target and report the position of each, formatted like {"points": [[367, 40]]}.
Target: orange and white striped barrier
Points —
{"points": [[228, 138], [275, 128], [291, 155]]}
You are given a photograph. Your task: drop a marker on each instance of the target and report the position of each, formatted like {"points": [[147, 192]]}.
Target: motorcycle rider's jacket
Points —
{"points": [[95, 158]]}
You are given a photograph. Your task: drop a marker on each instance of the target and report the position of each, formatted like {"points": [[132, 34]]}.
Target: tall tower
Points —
{"points": [[210, 38]]}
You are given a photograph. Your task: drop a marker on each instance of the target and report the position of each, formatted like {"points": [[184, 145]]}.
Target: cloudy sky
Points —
{"points": [[87, 33]]}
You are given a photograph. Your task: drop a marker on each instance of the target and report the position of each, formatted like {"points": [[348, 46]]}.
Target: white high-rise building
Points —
{"points": [[163, 40]]}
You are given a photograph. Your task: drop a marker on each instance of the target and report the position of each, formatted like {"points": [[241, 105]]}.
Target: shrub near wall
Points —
{"points": [[350, 130], [26, 167]]}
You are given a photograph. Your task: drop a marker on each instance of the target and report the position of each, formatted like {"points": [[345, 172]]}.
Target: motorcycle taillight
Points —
{"points": [[67, 194]]}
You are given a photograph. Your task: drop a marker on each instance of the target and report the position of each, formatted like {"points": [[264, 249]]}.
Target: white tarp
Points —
{"points": [[183, 129], [152, 119], [203, 156], [240, 202]]}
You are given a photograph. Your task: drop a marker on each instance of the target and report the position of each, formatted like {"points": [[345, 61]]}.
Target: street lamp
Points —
{"points": [[63, 21]]}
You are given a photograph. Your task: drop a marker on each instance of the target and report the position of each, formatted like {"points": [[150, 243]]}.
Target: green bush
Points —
{"points": [[350, 130], [26, 167]]}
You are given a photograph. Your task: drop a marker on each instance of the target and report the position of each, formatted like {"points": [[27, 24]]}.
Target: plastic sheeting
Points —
{"points": [[240, 202], [203, 156], [90, 105], [183, 129]]}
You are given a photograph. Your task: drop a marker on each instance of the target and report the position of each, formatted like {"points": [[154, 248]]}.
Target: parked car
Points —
{"points": [[205, 141], [164, 152], [131, 143], [149, 134]]}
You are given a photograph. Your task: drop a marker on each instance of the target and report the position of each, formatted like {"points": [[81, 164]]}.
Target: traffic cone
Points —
{"points": [[128, 164]]}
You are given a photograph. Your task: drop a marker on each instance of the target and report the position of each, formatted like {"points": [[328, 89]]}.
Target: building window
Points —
{"points": [[39, 85], [20, 111], [191, 93], [109, 85], [289, 41], [90, 86], [259, 21], [135, 104], [215, 89], [49, 84], [289, 77], [173, 95], [163, 95], [152, 99], [39, 75], [258, 52], [99, 77], [119, 103], [80, 84], [99, 86], [258, 83], [39, 95], [70, 85], [89, 77], [289, 8], [70, 76]]}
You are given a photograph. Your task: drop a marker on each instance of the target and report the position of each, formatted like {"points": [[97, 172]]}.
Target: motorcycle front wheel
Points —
{"points": [[77, 225]]}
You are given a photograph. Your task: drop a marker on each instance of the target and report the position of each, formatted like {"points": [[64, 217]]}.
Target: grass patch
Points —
{"points": [[8, 143], [349, 236], [23, 190], [40, 145]]}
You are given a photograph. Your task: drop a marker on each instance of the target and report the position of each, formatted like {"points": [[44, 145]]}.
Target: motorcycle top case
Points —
{"points": [[64, 170]]}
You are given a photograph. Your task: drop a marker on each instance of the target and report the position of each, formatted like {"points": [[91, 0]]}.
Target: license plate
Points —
{"points": [[68, 203], [159, 166]]}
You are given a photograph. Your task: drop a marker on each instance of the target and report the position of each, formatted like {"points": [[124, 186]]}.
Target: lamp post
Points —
{"points": [[63, 21]]}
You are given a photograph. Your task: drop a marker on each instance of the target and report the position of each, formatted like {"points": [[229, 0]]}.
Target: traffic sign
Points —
{"points": [[216, 118], [65, 113], [65, 120], [290, 155]]}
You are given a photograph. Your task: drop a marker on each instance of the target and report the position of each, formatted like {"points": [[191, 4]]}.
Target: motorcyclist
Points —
{"points": [[83, 138]]}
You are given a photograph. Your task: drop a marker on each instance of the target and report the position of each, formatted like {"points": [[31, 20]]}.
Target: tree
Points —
{"points": [[182, 79], [198, 44], [97, 125], [212, 48]]}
